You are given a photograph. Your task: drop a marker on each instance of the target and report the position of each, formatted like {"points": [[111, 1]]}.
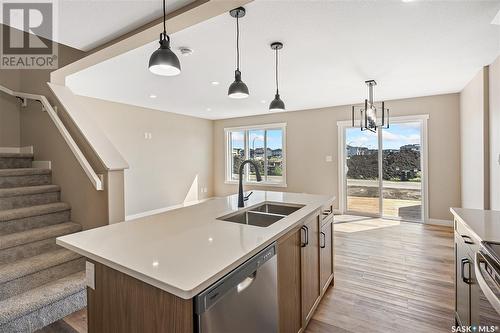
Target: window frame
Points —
{"points": [[228, 154]]}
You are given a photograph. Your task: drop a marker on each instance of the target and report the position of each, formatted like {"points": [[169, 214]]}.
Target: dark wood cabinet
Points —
{"points": [[289, 282], [463, 270], [310, 268], [326, 253]]}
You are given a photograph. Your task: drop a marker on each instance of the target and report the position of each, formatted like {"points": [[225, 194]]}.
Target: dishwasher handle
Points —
{"points": [[246, 283]]}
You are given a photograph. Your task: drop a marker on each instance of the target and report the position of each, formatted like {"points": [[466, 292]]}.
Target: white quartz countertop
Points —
{"points": [[485, 224], [184, 251]]}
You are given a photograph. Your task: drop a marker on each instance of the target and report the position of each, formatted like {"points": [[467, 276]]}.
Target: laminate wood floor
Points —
{"points": [[390, 276]]}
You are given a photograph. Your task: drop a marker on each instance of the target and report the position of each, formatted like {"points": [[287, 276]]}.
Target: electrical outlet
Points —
{"points": [[90, 274], [148, 135]]}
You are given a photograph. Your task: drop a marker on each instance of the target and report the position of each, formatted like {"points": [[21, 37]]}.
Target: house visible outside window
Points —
{"points": [[265, 145]]}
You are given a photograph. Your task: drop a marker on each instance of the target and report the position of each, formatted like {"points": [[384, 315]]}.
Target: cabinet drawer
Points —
{"points": [[468, 238]]}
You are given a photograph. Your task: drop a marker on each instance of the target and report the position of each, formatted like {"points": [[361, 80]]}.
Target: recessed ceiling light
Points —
{"points": [[186, 51], [407, 0], [215, 83], [156, 264], [152, 96], [263, 101], [209, 109]]}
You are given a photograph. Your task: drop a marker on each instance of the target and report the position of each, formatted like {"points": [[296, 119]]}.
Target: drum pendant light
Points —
{"points": [[277, 104], [163, 61], [238, 89]]}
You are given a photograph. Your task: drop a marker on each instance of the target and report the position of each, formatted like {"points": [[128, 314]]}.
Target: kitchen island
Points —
{"points": [[143, 274]]}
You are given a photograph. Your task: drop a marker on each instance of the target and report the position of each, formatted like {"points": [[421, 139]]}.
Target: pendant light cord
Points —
{"points": [[277, 87], [238, 42], [164, 19]]}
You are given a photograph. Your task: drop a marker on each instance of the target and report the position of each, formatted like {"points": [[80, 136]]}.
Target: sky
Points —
{"points": [[395, 136], [256, 139]]}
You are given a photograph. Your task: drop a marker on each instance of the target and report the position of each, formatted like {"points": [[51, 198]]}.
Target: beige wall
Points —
{"points": [[170, 168], [10, 122], [313, 134], [474, 142], [494, 110], [89, 207]]}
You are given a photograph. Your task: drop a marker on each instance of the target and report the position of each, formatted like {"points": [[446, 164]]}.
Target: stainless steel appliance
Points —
{"points": [[244, 301], [487, 275]]}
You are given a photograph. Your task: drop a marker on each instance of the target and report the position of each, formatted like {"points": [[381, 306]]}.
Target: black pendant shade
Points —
{"points": [[277, 103], [163, 61], [238, 89]]}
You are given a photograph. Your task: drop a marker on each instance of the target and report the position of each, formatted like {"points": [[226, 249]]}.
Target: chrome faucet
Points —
{"points": [[241, 199]]}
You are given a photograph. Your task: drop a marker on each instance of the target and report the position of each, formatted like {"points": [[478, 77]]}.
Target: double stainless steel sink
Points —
{"points": [[262, 215]]}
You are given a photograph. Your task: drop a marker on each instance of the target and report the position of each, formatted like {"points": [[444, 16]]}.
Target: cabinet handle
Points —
{"points": [[324, 240], [303, 243], [462, 275], [467, 239], [306, 229]]}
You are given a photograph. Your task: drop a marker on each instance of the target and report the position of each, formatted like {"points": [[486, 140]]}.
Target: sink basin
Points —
{"points": [[263, 215], [276, 209], [253, 218]]}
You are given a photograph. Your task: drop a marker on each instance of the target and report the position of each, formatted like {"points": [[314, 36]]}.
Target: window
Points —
{"points": [[265, 145]]}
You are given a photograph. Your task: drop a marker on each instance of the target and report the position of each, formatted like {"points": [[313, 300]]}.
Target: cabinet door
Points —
{"points": [[310, 268], [288, 252], [326, 255], [462, 286]]}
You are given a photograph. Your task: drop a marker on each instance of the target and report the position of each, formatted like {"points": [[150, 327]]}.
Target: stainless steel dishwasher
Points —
{"points": [[244, 301]]}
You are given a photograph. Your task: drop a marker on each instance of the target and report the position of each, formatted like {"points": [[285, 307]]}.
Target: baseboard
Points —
{"points": [[164, 209], [447, 223], [17, 150]]}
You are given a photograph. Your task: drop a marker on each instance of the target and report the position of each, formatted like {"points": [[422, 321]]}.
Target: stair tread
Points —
{"points": [[30, 265], [37, 234], [27, 190], [19, 213], [24, 172], [34, 299], [16, 155]]}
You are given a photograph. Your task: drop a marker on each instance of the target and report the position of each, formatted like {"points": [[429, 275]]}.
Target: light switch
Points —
{"points": [[90, 274], [329, 158], [148, 135]]}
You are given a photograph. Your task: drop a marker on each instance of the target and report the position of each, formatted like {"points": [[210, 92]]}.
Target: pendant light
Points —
{"points": [[368, 114], [277, 104], [163, 61], [238, 89]]}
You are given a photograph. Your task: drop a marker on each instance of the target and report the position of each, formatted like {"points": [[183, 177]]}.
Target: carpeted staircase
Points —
{"points": [[40, 282]]}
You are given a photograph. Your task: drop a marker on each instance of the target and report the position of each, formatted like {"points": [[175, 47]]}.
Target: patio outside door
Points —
{"points": [[383, 172]]}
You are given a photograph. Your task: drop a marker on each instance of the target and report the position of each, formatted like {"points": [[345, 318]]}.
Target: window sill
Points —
{"points": [[264, 184]]}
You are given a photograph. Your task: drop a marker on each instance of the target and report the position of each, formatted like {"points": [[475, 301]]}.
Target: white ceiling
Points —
{"points": [[85, 24], [331, 47]]}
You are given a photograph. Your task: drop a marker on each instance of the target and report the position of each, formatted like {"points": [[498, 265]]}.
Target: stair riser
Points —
{"points": [[39, 278], [28, 180], [39, 221], [29, 200], [15, 253], [14, 163]]}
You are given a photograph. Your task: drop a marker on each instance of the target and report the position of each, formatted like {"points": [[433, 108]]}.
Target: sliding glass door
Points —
{"points": [[383, 172]]}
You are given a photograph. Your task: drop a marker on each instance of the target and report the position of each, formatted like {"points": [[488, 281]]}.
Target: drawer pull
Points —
{"points": [[467, 239]]}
